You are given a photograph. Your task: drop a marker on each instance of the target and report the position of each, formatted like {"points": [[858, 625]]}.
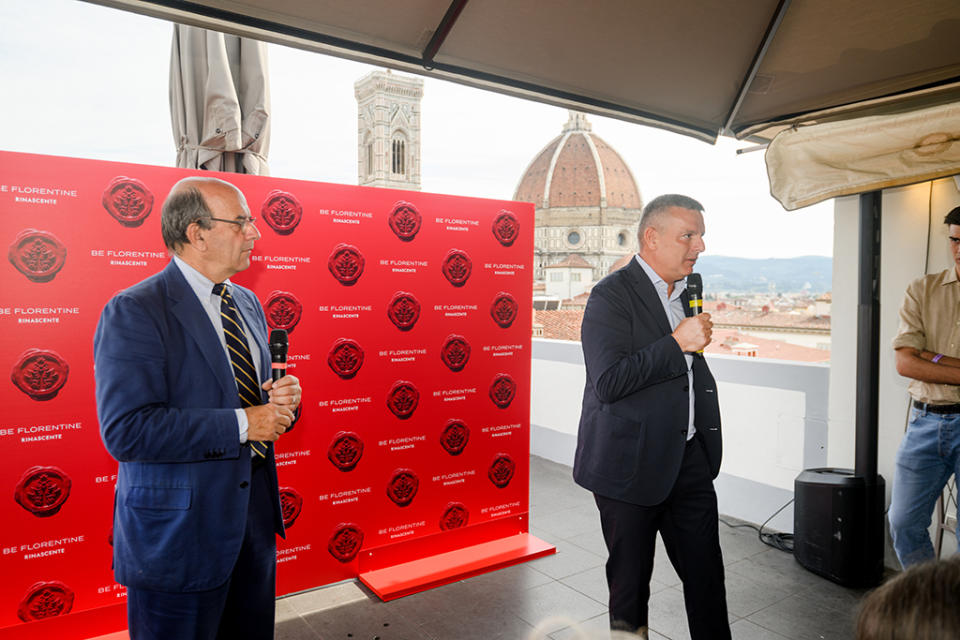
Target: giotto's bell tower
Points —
{"points": [[388, 130]]}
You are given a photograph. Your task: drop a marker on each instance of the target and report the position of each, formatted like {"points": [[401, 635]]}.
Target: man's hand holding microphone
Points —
{"points": [[267, 422], [694, 332]]}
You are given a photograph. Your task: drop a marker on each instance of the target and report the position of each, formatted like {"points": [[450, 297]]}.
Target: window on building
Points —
{"points": [[622, 239], [369, 158], [399, 157], [573, 237], [556, 276], [575, 277]]}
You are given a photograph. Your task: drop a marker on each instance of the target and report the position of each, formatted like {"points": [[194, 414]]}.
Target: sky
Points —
{"points": [[88, 81]]}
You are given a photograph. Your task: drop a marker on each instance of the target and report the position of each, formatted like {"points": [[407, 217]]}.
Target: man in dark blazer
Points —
{"points": [[197, 504], [649, 440]]}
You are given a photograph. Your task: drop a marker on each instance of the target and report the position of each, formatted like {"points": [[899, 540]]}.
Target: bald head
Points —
{"points": [[188, 202]]}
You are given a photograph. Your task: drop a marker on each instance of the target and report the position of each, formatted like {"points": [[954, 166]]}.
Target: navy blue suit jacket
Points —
{"points": [[166, 399], [633, 424]]}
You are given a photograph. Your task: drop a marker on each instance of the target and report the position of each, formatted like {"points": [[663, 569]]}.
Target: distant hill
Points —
{"points": [[813, 274]]}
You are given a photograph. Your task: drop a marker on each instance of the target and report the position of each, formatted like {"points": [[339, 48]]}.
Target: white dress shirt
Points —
{"points": [[673, 307]]}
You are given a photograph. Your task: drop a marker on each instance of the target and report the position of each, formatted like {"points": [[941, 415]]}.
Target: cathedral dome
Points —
{"points": [[578, 169]]}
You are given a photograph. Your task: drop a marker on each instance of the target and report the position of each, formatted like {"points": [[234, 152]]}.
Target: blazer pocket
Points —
{"points": [[617, 450], [165, 498]]}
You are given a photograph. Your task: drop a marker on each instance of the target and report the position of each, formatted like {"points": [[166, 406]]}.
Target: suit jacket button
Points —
{"points": [[244, 484]]}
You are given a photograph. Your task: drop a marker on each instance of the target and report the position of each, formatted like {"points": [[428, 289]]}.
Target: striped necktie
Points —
{"points": [[243, 370]]}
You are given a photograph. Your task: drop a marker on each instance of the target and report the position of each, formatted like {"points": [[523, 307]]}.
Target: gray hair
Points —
{"points": [[184, 205], [653, 212]]}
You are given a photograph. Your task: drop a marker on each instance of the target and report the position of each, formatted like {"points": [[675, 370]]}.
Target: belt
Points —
{"points": [[936, 408]]}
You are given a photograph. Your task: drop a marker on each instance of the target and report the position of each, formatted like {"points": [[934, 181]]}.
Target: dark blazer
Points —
{"points": [[165, 399], [633, 425]]}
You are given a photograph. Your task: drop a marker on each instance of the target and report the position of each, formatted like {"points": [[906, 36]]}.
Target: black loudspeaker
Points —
{"points": [[838, 526]]}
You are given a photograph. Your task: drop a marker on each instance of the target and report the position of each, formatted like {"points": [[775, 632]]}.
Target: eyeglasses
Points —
{"points": [[243, 222]]}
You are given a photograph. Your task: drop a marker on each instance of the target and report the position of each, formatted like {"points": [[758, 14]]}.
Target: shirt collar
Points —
{"points": [[679, 286], [202, 285]]}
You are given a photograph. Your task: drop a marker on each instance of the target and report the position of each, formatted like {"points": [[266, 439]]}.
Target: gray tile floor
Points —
{"points": [[563, 596]]}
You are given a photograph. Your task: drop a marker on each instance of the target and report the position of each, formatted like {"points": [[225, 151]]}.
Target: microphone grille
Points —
{"points": [[279, 336], [695, 284]]}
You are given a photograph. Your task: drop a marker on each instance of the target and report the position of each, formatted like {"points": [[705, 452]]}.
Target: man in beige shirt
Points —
{"points": [[927, 350]]}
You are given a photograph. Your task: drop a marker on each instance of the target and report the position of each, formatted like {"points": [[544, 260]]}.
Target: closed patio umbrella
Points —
{"points": [[219, 101]]}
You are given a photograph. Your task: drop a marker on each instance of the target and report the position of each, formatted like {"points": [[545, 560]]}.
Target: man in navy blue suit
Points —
{"points": [[649, 442], [197, 503]]}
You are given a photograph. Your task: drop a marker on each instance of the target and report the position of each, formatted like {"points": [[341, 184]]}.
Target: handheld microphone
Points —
{"points": [[695, 291], [278, 353]]}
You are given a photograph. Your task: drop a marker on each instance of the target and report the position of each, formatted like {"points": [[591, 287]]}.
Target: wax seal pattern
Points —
{"points": [[346, 264], [455, 515], [345, 451], [403, 310], [42, 490], [502, 390], [282, 211], [45, 600], [455, 352], [405, 220], [291, 503], [345, 358], [454, 437], [283, 310], [504, 309], [40, 373], [501, 470], [403, 486], [457, 267], [39, 255], [506, 228], [345, 541], [403, 399], [128, 201]]}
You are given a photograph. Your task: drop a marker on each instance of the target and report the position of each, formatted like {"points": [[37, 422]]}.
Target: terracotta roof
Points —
{"points": [[573, 260], [566, 173], [577, 301], [621, 263], [771, 320], [563, 324], [725, 342]]}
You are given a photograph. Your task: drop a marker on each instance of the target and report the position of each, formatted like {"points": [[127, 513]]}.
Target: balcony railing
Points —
{"points": [[774, 416]]}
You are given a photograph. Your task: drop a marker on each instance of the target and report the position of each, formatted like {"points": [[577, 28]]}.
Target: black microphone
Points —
{"points": [[278, 353], [695, 291]]}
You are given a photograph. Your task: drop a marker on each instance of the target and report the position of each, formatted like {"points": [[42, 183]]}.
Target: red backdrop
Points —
{"points": [[409, 321]]}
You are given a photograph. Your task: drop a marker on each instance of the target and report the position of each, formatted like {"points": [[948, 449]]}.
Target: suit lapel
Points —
{"points": [[648, 295], [188, 312]]}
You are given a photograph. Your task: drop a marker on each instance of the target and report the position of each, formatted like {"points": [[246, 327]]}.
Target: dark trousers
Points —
{"points": [[687, 522], [243, 608]]}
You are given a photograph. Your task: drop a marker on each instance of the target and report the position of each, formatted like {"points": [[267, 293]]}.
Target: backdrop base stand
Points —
{"points": [[425, 573]]}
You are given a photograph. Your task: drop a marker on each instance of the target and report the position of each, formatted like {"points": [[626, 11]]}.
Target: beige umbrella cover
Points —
{"points": [[813, 163], [219, 101]]}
